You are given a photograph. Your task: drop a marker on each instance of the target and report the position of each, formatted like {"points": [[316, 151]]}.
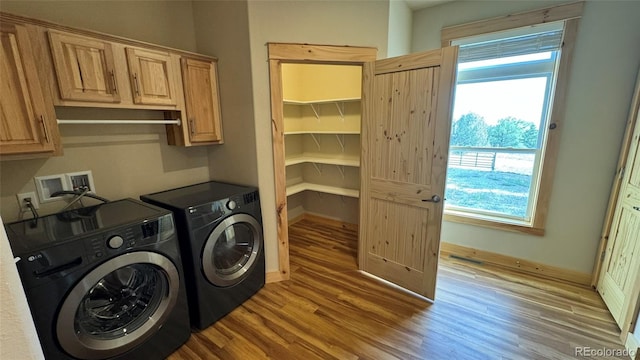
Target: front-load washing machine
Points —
{"points": [[220, 235], [103, 282]]}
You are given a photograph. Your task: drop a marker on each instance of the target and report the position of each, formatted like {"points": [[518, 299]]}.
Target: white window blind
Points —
{"points": [[536, 41]]}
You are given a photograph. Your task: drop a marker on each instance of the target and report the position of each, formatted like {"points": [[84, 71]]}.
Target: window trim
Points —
{"points": [[562, 12], [570, 14]]}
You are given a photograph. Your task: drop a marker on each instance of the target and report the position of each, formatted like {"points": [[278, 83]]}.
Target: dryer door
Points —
{"points": [[118, 305], [232, 249]]}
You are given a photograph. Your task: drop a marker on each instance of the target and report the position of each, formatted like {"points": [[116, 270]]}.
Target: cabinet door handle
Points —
{"points": [[192, 127], [637, 208], [113, 82], [44, 129], [135, 84]]}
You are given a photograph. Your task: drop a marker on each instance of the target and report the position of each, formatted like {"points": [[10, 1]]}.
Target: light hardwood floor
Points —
{"points": [[329, 310]]}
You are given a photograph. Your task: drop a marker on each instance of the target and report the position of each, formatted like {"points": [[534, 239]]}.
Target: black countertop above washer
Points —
{"points": [[198, 194]]}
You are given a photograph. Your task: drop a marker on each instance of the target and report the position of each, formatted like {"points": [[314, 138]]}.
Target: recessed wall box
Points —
{"points": [[81, 180], [48, 184]]}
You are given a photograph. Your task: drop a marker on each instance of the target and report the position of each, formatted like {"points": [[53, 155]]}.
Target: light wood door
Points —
{"points": [[24, 128], [627, 140], [620, 279], [405, 143], [202, 101], [152, 77], [84, 68]]}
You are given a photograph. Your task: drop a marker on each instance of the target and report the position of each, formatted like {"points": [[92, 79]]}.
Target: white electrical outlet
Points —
{"points": [[81, 180], [23, 203]]}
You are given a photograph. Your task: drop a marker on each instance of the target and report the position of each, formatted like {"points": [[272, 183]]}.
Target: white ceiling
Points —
{"points": [[421, 4]]}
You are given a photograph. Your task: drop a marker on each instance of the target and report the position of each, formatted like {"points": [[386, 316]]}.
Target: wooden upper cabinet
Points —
{"points": [[24, 126], [45, 65], [152, 77], [202, 101], [84, 68]]}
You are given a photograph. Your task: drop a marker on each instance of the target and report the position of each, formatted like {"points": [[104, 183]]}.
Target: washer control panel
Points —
{"points": [[57, 260], [231, 205], [127, 237], [115, 242]]}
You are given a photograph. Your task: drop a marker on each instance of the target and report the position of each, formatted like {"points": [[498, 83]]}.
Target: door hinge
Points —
{"points": [[604, 253], [622, 172]]}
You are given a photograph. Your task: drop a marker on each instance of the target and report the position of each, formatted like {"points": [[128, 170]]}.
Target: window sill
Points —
{"points": [[492, 222]]}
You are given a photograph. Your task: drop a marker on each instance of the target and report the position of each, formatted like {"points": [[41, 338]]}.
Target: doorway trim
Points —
{"points": [[282, 53]]}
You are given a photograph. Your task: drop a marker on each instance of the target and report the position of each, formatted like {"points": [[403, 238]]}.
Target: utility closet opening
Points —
{"points": [[321, 106]]}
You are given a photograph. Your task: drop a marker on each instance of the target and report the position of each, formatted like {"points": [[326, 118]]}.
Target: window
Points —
{"points": [[504, 127]]}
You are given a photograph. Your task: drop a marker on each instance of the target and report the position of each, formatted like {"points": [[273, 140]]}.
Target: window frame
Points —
{"points": [[569, 14], [546, 69]]}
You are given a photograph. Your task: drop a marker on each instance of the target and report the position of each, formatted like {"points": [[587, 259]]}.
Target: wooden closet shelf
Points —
{"points": [[294, 189], [344, 161], [327, 101], [323, 132]]}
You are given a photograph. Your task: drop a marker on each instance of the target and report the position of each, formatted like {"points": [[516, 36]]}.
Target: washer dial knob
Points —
{"points": [[231, 205], [115, 242]]}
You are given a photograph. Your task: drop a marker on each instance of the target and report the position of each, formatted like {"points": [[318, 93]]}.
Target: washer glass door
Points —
{"points": [[232, 249], [118, 305]]}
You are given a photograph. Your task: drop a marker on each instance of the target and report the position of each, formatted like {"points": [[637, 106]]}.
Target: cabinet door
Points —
{"points": [[152, 77], [23, 126], [84, 68], [200, 79]]}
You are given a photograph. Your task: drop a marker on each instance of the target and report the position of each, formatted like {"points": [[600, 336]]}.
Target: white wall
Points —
{"points": [[222, 30], [400, 27], [18, 338], [163, 22], [360, 23], [607, 56]]}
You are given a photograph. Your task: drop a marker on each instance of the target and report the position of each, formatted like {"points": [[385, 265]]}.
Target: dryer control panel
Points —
{"points": [[208, 213]]}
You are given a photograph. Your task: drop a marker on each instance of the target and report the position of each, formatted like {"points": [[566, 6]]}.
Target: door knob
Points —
{"points": [[434, 199]]}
